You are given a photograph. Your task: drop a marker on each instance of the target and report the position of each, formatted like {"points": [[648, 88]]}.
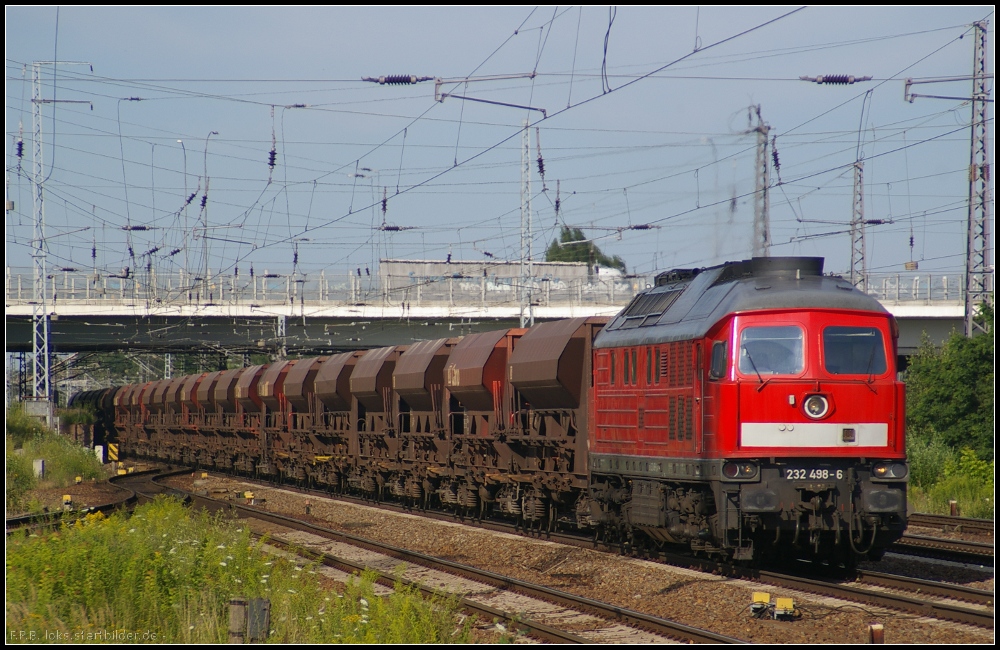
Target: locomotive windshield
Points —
{"points": [[853, 351], [773, 350]]}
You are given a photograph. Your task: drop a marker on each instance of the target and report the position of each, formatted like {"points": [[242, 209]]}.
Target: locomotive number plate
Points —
{"points": [[799, 474]]}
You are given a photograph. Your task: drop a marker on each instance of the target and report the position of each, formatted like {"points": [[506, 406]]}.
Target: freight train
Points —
{"points": [[746, 410]]}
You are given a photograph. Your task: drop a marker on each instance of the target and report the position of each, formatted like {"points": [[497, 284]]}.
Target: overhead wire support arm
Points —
{"points": [[439, 96], [614, 232], [910, 81], [489, 101]]}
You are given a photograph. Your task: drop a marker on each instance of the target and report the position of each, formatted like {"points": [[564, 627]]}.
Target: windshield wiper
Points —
{"points": [[870, 372], [754, 366]]}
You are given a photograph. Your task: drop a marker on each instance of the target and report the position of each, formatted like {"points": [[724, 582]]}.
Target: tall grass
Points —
{"points": [[170, 572], [27, 440], [73, 416], [928, 458], [939, 475], [20, 478], [21, 427]]}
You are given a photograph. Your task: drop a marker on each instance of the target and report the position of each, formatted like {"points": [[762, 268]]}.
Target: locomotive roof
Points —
{"points": [[686, 303]]}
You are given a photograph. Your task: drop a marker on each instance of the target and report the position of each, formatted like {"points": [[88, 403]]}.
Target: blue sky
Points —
{"points": [[646, 123]]}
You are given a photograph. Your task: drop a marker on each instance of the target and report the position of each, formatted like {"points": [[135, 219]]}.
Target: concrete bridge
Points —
{"points": [[320, 314]]}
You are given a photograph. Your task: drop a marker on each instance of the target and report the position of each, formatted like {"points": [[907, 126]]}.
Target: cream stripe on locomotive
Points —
{"points": [[813, 434]]}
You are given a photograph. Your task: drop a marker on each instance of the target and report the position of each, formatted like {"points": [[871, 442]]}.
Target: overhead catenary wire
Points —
{"points": [[316, 187]]}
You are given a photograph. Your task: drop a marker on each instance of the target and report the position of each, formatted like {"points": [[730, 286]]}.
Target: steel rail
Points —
{"points": [[633, 618], [949, 523], [930, 587], [956, 550], [855, 594], [923, 607]]}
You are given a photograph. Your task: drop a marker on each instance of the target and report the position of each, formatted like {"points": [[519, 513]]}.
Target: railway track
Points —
{"points": [[919, 600], [955, 550], [928, 587], [953, 524], [927, 603], [47, 519], [664, 628], [915, 605]]}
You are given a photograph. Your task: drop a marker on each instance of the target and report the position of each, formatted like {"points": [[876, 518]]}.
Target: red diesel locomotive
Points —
{"points": [[748, 406], [743, 410]]}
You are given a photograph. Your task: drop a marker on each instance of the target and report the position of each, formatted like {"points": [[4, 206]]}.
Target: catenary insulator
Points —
{"points": [[398, 79], [839, 79]]}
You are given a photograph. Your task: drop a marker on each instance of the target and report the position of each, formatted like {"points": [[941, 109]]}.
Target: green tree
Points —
{"points": [[584, 251], [949, 391]]}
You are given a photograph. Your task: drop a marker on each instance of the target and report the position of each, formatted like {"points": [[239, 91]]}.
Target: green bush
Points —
{"points": [[27, 440], [76, 416], [949, 391], [946, 476], [970, 465], [20, 479], [949, 416], [64, 459], [172, 573], [928, 459], [974, 498], [21, 427]]}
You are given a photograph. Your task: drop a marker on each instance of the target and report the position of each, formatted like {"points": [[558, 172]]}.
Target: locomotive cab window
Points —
{"points": [[771, 350], [720, 357], [853, 351]]}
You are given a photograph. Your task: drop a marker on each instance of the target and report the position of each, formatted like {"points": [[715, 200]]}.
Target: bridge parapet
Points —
{"points": [[185, 292]]}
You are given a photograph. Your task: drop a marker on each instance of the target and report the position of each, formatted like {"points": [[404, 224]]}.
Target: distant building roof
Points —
{"points": [[495, 268]]}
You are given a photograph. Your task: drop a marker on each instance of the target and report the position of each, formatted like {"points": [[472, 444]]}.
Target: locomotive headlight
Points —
{"points": [[740, 470], [889, 470], [816, 407]]}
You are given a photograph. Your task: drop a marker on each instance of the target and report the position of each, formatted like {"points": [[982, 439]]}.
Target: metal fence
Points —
{"points": [[66, 287], [923, 287], [181, 288]]}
